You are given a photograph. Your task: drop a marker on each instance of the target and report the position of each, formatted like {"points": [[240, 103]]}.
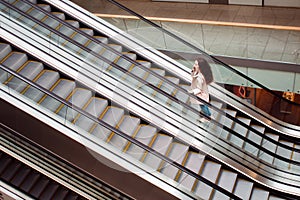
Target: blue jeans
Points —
{"points": [[205, 110]]}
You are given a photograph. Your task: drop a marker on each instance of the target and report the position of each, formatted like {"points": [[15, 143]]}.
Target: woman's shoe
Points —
{"points": [[203, 120]]}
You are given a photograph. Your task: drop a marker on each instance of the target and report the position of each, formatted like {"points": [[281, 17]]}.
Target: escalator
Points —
{"points": [[99, 107], [74, 95], [31, 177], [31, 182], [163, 143]]}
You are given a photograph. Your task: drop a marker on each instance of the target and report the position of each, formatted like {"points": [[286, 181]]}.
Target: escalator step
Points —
{"points": [[49, 191], [286, 153], [30, 181], [296, 157], [79, 98], [95, 108], [5, 49], [227, 181], [62, 89], [270, 146], [30, 71], [255, 138], [15, 60], [5, 161], [161, 144], [177, 153], [45, 7], [10, 170], [260, 194], [194, 163], [241, 130], [210, 171], [144, 135], [61, 193], [21, 175], [73, 23], [243, 188], [112, 116], [128, 126], [59, 15], [46, 80], [39, 186]]}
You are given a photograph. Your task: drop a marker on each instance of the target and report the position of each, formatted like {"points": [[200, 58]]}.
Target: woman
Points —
{"points": [[201, 76]]}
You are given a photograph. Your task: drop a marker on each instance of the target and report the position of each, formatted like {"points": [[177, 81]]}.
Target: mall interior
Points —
{"points": [[98, 99]]}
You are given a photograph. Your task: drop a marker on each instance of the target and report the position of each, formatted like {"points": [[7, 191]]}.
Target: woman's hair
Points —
{"points": [[205, 70]]}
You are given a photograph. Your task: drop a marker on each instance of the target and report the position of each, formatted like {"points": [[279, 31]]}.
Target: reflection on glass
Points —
{"points": [[264, 99]]}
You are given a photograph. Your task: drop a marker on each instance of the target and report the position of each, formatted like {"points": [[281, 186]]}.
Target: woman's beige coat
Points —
{"points": [[199, 88]]}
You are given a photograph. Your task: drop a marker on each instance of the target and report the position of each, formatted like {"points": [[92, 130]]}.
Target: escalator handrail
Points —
{"points": [[122, 134]]}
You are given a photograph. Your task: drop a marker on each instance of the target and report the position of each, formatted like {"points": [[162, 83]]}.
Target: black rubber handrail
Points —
{"points": [[121, 133], [151, 72]]}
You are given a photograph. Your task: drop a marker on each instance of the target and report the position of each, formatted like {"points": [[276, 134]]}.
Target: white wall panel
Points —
{"points": [[275, 80], [246, 2], [193, 1], [284, 3], [297, 83]]}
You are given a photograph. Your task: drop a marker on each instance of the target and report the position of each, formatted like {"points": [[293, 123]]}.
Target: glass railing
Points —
{"points": [[102, 60], [216, 39], [161, 36], [130, 83]]}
